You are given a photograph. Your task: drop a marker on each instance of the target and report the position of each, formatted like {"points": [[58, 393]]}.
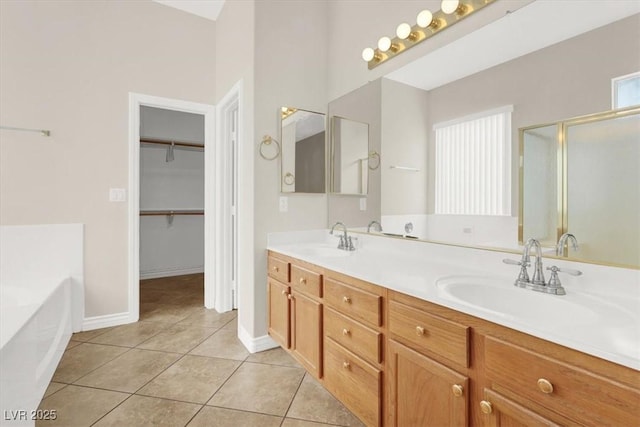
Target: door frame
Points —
{"points": [[137, 100]]}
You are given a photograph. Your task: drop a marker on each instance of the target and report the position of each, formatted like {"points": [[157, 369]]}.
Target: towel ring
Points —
{"points": [[288, 178], [374, 154], [267, 140]]}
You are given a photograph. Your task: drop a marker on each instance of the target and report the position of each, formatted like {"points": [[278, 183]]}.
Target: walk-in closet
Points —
{"points": [[171, 213]]}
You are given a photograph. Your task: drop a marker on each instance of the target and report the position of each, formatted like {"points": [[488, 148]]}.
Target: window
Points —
{"points": [[625, 91], [473, 164]]}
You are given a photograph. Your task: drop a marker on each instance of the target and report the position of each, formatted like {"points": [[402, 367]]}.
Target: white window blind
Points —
{"points": [[473, 164]]}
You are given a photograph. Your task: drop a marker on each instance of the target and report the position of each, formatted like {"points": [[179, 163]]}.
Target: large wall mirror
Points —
{"points": [[349, 162], [303, 136], [582, 176], [406, 104]]}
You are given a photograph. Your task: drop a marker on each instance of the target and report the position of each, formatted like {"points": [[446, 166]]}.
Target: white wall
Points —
{"points": [[69, 67]]}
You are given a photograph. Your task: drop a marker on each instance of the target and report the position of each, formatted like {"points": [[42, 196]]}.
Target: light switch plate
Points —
{"points": [[284, 204], [363, 203], [117, 195]]}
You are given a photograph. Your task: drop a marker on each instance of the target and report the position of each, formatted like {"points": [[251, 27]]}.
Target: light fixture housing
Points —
{"points": [[427, 25]]}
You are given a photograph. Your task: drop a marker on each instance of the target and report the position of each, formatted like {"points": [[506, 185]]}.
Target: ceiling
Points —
{"points": [[209, 9], [535, 26]]}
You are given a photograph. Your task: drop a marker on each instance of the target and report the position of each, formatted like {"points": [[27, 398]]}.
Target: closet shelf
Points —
{"points": [[169, 142], [160, 212]]}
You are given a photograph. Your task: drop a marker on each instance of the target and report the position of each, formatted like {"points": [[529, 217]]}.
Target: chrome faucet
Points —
{"points": [[372, 223], [563, 241], [537, 282], [538, 274], [346, 243]]}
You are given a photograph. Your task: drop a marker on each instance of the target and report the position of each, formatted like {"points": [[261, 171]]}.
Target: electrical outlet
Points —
{"points": [[363, 203], [117, 195], [284, 204], [467, 230]]}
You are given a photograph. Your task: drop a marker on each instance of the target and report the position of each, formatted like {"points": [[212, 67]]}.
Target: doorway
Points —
{"points": [[216, 212]]}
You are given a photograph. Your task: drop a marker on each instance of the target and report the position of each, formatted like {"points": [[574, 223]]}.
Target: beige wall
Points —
{"points": [[290, 70], [68, 67], [405, 119]]}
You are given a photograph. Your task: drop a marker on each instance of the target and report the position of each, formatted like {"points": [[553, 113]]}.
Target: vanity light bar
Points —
{"points": [[428, 24]]}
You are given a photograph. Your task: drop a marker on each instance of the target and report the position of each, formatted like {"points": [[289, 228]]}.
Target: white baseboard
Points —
{"points": [[156, 274], [106, 321], [255, 345]]}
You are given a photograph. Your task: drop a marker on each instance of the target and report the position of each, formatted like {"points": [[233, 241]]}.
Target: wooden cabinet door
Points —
{"points": [[306, 332], [422, 392], [279, 312], [498, 411]]}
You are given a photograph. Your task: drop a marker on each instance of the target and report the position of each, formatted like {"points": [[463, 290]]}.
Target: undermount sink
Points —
{"points": [[504, 299]]}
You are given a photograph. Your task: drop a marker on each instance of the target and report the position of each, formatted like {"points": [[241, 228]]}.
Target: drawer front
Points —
{"points": [[306, 281], [278, 269], [428, 332], [568, 390], [354, 302], [353, 381], [354, 336]]}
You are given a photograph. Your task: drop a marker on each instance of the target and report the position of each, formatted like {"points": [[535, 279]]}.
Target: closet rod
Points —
{"points": [[168, 142], [159, 212]]}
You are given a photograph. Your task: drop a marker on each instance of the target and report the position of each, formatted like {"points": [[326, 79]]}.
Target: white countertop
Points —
{"points": [[600, 315]]}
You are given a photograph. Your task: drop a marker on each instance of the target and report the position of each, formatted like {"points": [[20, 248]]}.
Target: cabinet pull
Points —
{"points": [[276, 268], [545, 386], [486, 407], [419, 330], [346, 300], [457, 390], [302, 280], [346, 365], [345, 332], [284, 292], [289, 296]]}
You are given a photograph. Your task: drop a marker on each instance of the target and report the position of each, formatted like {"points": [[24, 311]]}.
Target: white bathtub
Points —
{"points": [[41, 304]]}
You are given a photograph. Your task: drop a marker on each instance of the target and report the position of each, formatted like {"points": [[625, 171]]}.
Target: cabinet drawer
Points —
{"points": [[428, 332], [353, 381], [568, 390], [306, 281], [363, 341], [357, 303], [278, 269]]}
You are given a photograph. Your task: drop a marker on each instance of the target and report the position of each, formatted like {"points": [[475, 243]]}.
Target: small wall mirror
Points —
{"points": [[349, 156], [303, 135]]}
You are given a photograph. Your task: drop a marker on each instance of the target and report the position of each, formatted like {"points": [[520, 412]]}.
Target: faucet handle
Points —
{"points": [[341, 244], [514, 262], [556, 270], [349, 246]]}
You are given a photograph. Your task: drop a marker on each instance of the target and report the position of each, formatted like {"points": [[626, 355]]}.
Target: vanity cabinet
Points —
{"points": [[423, 392], [397, 360], [295, 311], [353, 345]]}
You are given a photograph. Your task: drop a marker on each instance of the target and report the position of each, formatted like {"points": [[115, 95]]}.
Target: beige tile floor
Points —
{"points": [[182, 365]]}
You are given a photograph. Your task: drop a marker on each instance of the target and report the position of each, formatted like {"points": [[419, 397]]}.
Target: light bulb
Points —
{"points": [[449, 6], [424, 18], [384, 43], [368, 54], [403, 31]]}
